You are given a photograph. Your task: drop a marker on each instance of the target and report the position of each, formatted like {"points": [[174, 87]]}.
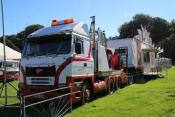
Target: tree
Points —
{"points": [[172, 26], [161, 31], [171, 47], [168, 44], [16, 41], [129, 29], [158, 27], [142, 19], [28, 30]]}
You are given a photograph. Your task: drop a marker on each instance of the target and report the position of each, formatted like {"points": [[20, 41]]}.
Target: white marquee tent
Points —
{"points": [[10, 53]]}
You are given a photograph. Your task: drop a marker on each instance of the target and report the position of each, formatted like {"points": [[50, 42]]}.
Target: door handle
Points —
{"points": [[85, 64]]}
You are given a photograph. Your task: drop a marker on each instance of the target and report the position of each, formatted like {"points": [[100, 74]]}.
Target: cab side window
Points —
{"points": [[79, 46]]}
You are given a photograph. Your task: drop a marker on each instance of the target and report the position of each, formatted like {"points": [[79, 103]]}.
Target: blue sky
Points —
{"points": [[110, 14]]}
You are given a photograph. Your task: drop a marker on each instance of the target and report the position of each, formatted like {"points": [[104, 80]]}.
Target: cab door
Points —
{"points": [[84, 63], [79, 63]]}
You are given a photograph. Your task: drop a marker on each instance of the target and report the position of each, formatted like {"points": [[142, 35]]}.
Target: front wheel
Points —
{"points": [[86, 94]]}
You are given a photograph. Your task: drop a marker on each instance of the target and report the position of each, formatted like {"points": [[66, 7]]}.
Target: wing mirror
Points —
{"points": [[77, 48]]}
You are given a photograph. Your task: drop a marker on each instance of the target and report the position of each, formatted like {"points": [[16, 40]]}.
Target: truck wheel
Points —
{"points": [[86, 93], [119, 82], [110, 88]]}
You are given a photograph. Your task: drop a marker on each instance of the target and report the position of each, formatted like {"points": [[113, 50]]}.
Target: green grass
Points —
{"points": [[10, 112], [155, 98], [11, 92]]}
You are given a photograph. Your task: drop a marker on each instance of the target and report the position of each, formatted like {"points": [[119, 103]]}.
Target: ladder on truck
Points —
{"points": [[123, 53]]}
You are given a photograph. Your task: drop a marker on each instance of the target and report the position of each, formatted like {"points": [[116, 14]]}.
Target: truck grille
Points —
{"points": [[40, 71], [40, 80]]}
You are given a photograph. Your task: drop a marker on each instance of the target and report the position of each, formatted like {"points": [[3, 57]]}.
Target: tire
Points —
{"points": [[86, 94], [110, 86]]}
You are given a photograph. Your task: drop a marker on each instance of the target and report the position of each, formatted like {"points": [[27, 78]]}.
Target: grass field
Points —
{"points": [[155, 98], [10, 112], [11, 92]]}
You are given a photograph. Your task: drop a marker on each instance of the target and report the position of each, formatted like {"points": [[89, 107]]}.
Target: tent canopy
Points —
{"points": [[10, 53]]}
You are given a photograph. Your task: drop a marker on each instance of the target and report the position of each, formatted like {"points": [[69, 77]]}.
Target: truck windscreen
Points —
{"points": [[47, 45], [9, 64]]}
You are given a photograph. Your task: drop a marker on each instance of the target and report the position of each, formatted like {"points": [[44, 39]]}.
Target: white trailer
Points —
{"points": [[140, 53], [12, 63]]}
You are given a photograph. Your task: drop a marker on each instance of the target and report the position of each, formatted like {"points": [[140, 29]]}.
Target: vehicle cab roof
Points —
{"points": [[78, 28]]}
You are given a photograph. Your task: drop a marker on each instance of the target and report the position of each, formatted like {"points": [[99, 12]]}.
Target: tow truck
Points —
{"points": [[70, 54]]}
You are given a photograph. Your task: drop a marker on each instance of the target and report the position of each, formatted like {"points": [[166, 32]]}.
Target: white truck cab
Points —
{"points": [[54, 54]]}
